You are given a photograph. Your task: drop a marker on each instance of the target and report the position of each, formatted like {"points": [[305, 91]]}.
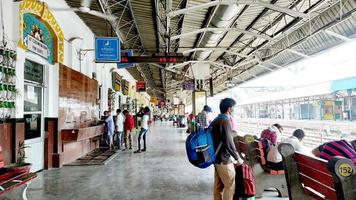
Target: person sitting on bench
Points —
{"points": [[336, 148], [269, 137], [274, 158]]}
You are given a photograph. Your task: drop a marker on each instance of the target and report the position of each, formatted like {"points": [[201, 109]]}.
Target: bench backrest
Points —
{"points": [[310, 176], [2, 163], [254, 149], [315, 176]]}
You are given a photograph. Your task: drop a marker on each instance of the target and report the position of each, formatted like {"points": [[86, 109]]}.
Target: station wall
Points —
{"points": [[76, 36]]}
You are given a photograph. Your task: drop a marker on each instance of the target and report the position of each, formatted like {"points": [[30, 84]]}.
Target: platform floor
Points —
{"points": [[161, 173]]}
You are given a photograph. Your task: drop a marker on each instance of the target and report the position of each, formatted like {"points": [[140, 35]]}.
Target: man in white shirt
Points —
{"points": [[119, 127], [110, 128], [274, 158], [144, 129]]}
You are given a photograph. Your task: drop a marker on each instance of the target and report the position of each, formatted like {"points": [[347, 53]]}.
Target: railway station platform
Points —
{"points": [[163, 172]]}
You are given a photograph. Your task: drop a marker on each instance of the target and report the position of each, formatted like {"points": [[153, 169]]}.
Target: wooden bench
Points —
{"points": [[13, 181], [309, 177], [16, 188], [265, 178]]}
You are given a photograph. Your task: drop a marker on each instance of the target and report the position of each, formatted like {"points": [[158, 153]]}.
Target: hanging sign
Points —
{"points": [[125, 87], [140, 86], [154, 100], [116, 81], [107, 49], [188, 85], [124, 64]]}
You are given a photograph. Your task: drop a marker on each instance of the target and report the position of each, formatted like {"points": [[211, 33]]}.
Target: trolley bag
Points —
{"points": [[245, 183], [200, 148]]}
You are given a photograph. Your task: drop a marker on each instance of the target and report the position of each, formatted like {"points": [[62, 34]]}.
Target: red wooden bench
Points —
{"points": [[13, 184], [309, 177], [265, 178]]}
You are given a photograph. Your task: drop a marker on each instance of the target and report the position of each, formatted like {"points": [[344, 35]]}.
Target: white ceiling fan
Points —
{"points": [[85, 8]]}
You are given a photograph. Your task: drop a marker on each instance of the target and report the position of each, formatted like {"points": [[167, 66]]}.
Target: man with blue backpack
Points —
{"points": [[226, 154]]}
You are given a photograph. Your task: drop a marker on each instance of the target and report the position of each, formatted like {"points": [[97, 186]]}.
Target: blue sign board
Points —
{"points": [[107, 49], [127, 53]]}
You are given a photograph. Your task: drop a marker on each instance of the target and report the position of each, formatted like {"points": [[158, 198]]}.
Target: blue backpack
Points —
{"points": [[200, 147]]}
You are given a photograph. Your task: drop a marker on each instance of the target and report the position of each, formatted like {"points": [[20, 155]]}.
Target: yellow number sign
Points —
{"points": [[249, 139], [345, 170]]}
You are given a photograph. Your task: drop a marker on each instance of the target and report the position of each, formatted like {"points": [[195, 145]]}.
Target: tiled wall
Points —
{"points": [[11, 133], [78, 109], [78, 106]]}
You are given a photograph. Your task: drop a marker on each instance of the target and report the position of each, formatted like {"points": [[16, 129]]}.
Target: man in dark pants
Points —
{"points": [[144, 129], [224, 180]]}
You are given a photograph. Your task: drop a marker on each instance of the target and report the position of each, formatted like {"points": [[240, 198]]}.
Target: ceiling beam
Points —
{"points": [[246, 62], [265, 67], [273, 64], [200, 61], [298, 53], [339, 36], [170, 70], [168, 25], [266, 37], [216, 49], [246, 2]]}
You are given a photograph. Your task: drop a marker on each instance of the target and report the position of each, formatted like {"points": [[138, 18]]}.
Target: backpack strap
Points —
{"points": [[218, 149], [217, 118]]}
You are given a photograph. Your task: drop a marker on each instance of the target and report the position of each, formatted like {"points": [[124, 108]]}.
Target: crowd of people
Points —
{"points": [[122, 127], [227, 157]]}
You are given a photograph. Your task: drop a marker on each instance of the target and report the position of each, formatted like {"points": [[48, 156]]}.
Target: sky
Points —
{"points": [[336, 63]]}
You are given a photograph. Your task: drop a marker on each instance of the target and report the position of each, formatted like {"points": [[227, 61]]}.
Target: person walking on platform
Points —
{"points": [[110, 129], [144, 129], [128, 125], [202, 118], [119, 127], [226, 154]]}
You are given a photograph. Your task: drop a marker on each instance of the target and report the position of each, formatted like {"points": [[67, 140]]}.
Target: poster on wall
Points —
{"points": [[116, 81], [199, 101], [181, 109], [328, 109], [140, 86]]}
